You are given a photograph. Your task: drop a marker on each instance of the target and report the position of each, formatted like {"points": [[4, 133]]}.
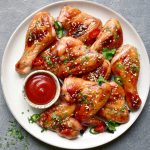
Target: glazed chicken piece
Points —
{"points": [[103, 71], [96, 123], [40, 34], [68, 57], [79, 24], [115, 109], [110, 37], [70, 128], [88, 96], [59, 118], [126, 66]]}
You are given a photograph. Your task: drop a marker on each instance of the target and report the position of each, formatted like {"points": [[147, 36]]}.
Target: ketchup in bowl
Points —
{"points": [[41, 88]]}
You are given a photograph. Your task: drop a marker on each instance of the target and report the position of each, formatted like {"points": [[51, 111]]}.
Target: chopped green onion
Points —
{"points": [[56, 117], [85, 59], [120, 66], [48, 60], [43, 130], [66, 60], [134, 68], [16, 133], [14, 136], [59, 29], [60, 33], [123, 108], [84, 99], [34, 118], [101, 80], [118, 80], [111, 126], [108, 53], [57, 25], [92, 130]]}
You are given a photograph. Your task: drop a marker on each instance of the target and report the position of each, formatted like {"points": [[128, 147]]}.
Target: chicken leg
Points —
{"points": [[40, 34], [126, 66]]}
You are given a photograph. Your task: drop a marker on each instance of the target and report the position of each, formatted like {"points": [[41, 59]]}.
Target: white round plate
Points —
{"points": [[12, 82]]}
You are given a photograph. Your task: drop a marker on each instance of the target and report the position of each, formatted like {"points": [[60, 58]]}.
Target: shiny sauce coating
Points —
{"points": [[40, 88]]}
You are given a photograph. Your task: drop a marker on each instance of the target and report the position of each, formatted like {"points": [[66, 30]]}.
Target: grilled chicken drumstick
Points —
{"points": [[40, 34], [126, 66]]}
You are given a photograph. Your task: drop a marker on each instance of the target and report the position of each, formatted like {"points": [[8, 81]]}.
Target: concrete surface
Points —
{"points": [[12, 12]]}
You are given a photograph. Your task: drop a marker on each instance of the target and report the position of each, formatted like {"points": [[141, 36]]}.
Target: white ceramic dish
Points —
{"points": [[14, 98], [57, 89]]}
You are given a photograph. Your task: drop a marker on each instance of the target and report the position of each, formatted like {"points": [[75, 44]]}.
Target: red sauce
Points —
{"points": [[40, 88]]}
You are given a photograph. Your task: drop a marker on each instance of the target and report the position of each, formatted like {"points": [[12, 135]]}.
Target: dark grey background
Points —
{"points": [[12, 12]]}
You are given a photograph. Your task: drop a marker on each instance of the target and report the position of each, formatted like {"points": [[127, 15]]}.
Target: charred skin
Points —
{"points": [[58, 118], [115, 109], [40, 34], [126, 65], [69, 57], [110, 37], [79, 24]]}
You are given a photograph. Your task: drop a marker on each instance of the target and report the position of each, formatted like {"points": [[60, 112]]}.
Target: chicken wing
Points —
{"points": [[110, 37], [88, 95], [79, 24], [103, 71], [115, 109], [70, 128], [58, 118], [69, 57], [126, 66], [40, 34]]}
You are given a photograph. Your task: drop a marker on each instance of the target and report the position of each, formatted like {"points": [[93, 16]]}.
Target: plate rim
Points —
{"points": [[50, 5]]}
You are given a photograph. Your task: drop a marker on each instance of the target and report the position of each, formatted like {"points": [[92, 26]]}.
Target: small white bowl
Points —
{"points": [[55, 97]]}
